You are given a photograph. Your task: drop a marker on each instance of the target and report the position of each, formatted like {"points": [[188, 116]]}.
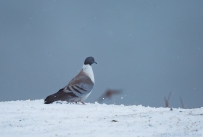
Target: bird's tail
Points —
{"points": [[54, 97], [50, 99]]}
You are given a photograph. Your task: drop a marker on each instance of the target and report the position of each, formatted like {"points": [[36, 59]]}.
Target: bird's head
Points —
{"points": [[90, 61]]}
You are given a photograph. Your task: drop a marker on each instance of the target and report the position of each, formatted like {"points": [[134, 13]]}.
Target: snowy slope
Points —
{"points": [[33, 118]]}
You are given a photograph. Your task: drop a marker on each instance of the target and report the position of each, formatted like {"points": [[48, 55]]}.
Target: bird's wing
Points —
{"points": [[79, 85]]}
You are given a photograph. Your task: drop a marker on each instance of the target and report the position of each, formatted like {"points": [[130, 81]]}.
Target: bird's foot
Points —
{"points": [[83, 103], [57, 102]]}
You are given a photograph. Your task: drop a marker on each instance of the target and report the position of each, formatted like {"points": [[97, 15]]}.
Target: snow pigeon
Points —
{"points": [[79, 88]]}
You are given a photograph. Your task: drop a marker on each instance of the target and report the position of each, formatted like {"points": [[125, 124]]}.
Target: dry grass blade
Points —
{"points": [[167, 100]]}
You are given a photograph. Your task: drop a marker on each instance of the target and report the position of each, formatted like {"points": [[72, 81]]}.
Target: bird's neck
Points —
{"points": [[87, 69]]}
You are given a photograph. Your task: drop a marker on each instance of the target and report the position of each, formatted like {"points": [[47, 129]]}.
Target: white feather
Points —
{"points": [[85, 97], [87, 69]]}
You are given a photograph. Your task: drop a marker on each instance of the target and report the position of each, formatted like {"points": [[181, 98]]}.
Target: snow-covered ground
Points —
{"points": [[33, 118]]}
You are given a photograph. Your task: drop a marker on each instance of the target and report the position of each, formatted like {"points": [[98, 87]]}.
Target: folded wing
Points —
{"points": [[80, 85], [77, 88]]}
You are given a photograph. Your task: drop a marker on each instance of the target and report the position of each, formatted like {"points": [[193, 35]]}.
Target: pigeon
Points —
{"points": [[79, 88]]}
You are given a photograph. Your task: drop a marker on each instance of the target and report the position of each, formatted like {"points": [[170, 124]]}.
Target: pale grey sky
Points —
{"points": [[147, 48]]}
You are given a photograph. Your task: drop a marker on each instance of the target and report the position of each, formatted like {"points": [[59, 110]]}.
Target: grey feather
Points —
{"points": [[75, 91]]}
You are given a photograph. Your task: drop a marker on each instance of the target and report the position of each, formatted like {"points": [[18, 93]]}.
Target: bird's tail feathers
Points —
{"points": [[54, 97]]}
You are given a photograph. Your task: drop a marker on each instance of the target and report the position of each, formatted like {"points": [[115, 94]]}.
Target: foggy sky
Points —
{"points": [[147, 48]]}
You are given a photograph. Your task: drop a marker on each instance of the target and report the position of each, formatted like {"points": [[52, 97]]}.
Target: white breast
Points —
{"points": [[87, 69]]}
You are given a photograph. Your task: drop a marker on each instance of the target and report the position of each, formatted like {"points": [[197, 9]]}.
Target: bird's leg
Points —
{"points": [[57, 102], [83, 103]]}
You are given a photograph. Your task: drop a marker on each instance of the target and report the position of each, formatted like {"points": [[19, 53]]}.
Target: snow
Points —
{"points": [[33, 118]]}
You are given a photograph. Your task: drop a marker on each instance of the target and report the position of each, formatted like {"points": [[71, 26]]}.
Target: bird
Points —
{"points": [[79, 88], [109, 93]]}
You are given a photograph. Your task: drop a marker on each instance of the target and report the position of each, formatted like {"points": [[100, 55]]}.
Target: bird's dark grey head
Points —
{"points": [[90, 61]]}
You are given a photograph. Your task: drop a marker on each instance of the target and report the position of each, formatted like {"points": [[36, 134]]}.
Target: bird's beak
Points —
{"points": [[95, 62]]}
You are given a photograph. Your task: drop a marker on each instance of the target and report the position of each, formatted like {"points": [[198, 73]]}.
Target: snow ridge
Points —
{"points": [[33, 118]]}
